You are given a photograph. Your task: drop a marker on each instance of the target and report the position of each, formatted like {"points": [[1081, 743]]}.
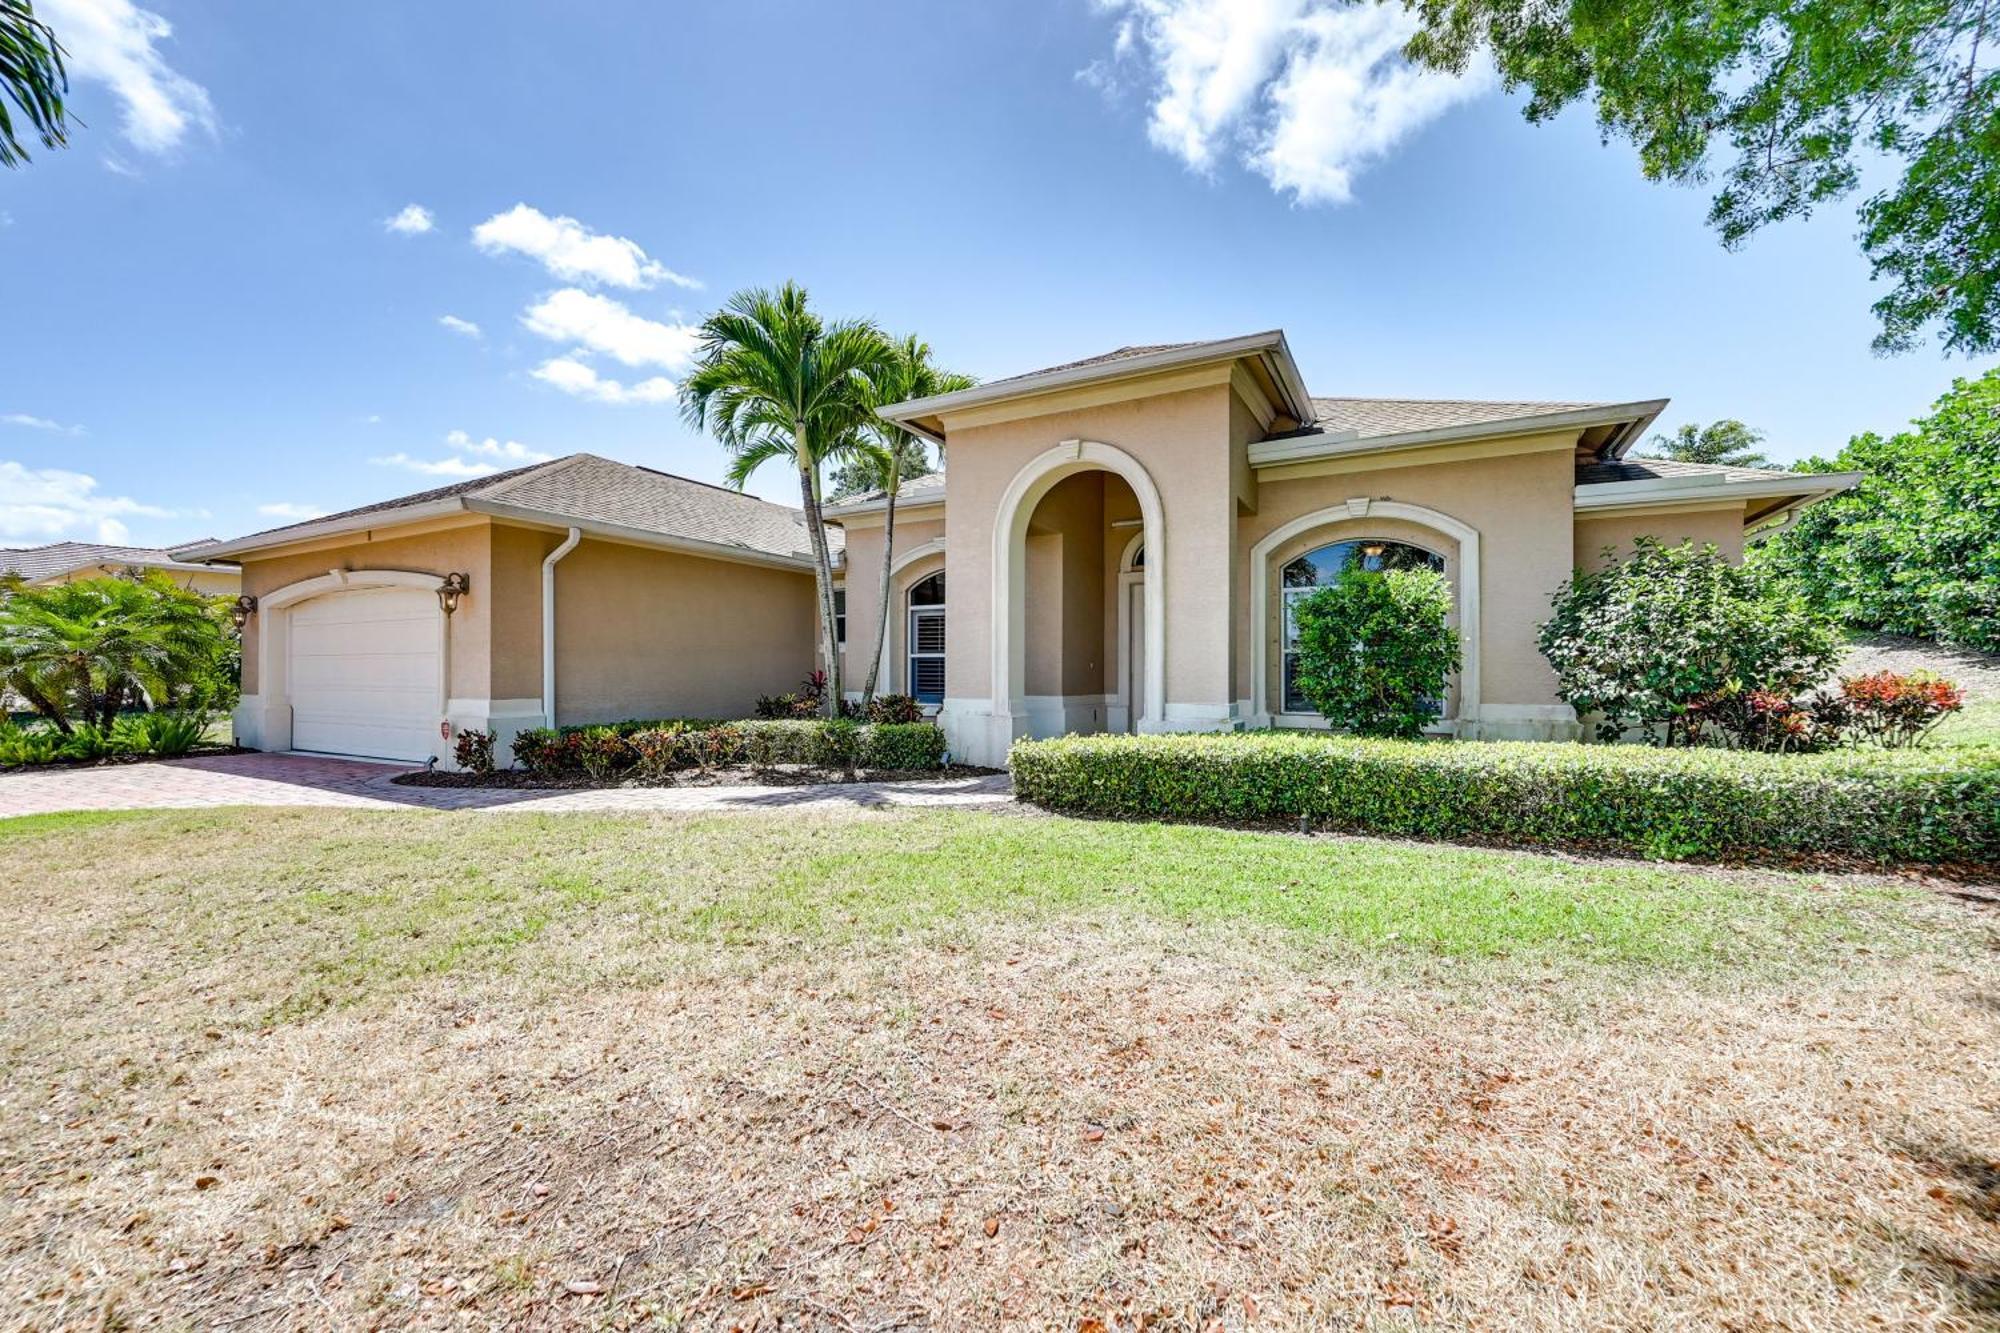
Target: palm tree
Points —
{"points": [[93, 647], [886, 455], [1728, 442], [772, 380], [32, 78]]}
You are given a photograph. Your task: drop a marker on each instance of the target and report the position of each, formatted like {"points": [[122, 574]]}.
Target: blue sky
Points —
{"points": [[212, 327]]}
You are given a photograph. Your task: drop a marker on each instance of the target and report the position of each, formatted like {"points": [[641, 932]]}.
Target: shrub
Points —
{"points": [[894, 708], [1910, 806], [21, 746], [602, 752], [1644, 642], [658, 752], [1894, 710], [87, 743], [1375, 651], [900, 746], [163, 733], [537, 749], [473, 750], [840, 743]]}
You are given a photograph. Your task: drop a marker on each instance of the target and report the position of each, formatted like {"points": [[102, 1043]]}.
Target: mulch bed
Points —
{"points": [[740, 775]]}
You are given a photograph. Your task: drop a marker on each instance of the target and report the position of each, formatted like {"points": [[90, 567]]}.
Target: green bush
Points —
{"points": [[1375, 651], [652, 750], [165, 733], [22, 746], [1646, 642], [1900, 806]]}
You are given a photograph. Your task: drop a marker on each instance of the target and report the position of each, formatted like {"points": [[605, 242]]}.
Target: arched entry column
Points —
{"points": [[983, 730]]}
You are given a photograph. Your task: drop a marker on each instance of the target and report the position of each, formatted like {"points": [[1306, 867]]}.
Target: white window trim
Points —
{"points": [[1262, 714], [910, 653]]}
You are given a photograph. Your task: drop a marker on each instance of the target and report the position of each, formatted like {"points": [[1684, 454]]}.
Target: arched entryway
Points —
{"points": [[1024, 686]]}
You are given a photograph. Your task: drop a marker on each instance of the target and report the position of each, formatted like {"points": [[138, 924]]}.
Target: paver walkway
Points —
{"points": [[284, 779]]}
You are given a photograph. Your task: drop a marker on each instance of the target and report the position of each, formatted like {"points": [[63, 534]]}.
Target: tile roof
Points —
{"points": [[44, 562], [1369, 417], [588, 488], [1651, 469]]}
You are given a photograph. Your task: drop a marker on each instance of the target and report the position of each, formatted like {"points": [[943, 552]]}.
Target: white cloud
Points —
{"points": [[604, 325], [457, 325], [572, 251], [46, 504], [468, 457], [286, 509], [576, 377], [511, 452], [39, 423], [112, 42], [1307, 93], [414, 220]]}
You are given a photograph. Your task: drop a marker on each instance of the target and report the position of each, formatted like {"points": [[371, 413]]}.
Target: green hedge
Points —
{"points": [[1905, 806], [655, 748]]}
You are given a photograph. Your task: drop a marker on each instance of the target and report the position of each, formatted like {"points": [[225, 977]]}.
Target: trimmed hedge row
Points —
{"points": [[655, 748], [1903, 806]]}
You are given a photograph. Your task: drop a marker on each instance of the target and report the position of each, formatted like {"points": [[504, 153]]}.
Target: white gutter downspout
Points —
{"points": [[549, 624]]}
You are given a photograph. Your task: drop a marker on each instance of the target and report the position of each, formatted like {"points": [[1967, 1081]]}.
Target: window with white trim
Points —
{"points": [[840, 616], [926, 639], [1319, 568]]}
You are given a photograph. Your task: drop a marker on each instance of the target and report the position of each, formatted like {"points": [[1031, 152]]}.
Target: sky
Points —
{"points": [[303, 257]]}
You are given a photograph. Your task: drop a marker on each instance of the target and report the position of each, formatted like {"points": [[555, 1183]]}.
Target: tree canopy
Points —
{"points": [[32, 80], [1801, 95], [1728, 442], [1915, 547]]}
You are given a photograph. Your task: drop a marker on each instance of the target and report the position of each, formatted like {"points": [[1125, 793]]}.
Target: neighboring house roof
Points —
{"points": [[927, 489], [599, 495], [35, 563]]}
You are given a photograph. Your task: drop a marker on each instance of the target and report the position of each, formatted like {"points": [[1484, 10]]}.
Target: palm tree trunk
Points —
{"points": [[888, 560], [822, 574]]}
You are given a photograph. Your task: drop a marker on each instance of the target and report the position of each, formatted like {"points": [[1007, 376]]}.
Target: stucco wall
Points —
{"points": [[1521, 506], [1181, 439], [649, 633], [863, 580], [1724, 527], [464, 549]]}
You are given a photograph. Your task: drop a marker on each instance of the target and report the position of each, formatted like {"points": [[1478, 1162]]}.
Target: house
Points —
{"points": [[1115, 548], [69, 562]]}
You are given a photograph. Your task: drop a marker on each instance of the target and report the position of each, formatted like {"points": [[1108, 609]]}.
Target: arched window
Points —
{"points": [[1319, 568], [1139, 556], [926, 638]]}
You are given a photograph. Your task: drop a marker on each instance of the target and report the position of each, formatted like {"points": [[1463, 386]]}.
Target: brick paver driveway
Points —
{"points": [[284, 779]]}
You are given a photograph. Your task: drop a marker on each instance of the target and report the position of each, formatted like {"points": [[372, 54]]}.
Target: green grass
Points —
{"points": [[1977, 724], [290, 912]]}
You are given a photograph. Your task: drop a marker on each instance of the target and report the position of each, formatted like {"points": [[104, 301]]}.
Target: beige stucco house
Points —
{"points": [[71, 562], [1115, 549]]}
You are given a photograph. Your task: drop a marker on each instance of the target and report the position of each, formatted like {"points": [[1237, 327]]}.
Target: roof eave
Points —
{"points": [[1679, 490], [1308, 448], [921, 414], [903, 502], [642, 536]]}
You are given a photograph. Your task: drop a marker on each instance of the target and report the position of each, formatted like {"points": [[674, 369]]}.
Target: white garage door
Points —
{"points": [[364, 673]]}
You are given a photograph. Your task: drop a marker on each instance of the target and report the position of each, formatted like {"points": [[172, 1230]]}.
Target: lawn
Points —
{"points": [[331, 1069]]}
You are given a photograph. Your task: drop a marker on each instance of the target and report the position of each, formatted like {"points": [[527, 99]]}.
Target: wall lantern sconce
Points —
{"points": [[241, 610], [453, 588], [1373, 550]]}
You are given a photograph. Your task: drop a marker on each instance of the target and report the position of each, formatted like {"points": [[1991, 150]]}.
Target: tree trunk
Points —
{"points": [[822, 569], [888, 559]]}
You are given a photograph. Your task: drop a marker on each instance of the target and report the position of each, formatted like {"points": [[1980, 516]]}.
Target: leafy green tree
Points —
{"points": [[1915, 547], [1802, 94], [1644, 641], [1375, 651], [773, 381], [80, 652], [32, 78], [1728, 442], [886, 455]]}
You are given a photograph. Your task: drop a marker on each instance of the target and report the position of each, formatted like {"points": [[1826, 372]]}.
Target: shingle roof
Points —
{"points": [[1369, 417], [1121, 354], [1651, 469], [592, 489], [46, 562], [917, 490]]}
